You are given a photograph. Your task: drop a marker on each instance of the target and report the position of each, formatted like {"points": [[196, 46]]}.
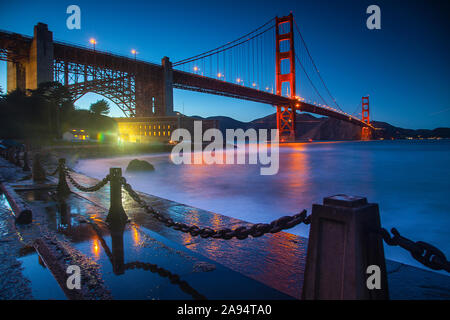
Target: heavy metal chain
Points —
{"points": [[174, 278], [255, 230], [425, 253], [96, 187], [53, 172]]}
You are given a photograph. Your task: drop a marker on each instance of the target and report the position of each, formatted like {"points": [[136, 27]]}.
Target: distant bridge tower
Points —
{"points": [[285, 59], [365, 131]]}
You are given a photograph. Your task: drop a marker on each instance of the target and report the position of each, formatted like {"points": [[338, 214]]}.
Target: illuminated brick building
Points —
{"points": [[157, 128]]}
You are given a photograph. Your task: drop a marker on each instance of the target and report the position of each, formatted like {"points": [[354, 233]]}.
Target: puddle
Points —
{"points": [[136, 263], [43, 285]]}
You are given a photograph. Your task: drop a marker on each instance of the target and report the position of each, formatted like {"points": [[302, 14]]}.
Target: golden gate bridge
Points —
{"points": [[259, 66]]}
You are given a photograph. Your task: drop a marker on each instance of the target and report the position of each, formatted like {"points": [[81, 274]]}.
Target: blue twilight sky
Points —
{"points": [[404, 66]]}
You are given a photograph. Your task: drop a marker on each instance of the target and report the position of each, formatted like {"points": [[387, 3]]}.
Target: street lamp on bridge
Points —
{"points": [[93, 42], [134, 52]]}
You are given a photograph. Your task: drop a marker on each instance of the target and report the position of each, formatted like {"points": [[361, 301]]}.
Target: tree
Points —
{"points": [[58, 102], [101, 107]]}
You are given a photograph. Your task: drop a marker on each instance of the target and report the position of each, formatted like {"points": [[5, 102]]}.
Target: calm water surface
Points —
{"points": [[410, 181]]}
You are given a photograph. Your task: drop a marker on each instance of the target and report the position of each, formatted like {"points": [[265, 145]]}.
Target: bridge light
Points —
{"points": [[219, 75], [134, 52], [267, 88], [254, 84], [238, 80], [195, 68], [93, 42]]}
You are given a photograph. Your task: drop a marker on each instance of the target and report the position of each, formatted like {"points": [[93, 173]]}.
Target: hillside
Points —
{"points": [[324, 128]]}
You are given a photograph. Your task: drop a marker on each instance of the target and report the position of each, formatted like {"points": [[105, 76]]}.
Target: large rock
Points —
{"points": [[139, 165]]}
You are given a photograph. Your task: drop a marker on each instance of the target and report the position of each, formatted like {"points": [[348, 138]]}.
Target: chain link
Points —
{"points": [[423, 252], [96, 187], [255, 230]]}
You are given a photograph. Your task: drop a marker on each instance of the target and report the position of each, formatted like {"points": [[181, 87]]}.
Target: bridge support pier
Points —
{"points": [[154, 92], [37, 67], [167, 86], [286, 123]]}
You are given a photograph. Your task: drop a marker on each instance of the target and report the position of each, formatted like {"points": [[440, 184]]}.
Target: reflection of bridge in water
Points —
{"points": [[239, 69]]}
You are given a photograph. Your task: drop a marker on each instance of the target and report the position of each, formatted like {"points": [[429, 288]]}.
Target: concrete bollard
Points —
{"points": [[17, 158], [37, 171], [342, 245], [116, 215], [62, 190], [25, 167], [11, 152]]}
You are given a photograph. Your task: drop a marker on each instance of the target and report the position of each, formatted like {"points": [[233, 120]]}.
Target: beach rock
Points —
{"points": [[139, 165]]}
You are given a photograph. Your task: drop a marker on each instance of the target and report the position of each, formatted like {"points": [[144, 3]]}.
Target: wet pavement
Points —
{"points": [[147, 260]]}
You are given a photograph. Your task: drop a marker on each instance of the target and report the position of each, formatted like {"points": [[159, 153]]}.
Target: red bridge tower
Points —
{"points": [[285, 113], [365, 131]]}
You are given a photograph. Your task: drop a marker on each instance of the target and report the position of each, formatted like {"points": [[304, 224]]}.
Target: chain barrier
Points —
{"points": [[423, 252], [255, 230], [96, 187]]}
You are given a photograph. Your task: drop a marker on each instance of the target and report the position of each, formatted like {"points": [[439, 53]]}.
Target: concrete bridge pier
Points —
{"points": [[37, 67], [167, 86], [154, 92]]}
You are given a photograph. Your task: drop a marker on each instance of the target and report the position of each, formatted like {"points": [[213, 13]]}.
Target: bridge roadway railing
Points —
{"points": [[345, 240]]}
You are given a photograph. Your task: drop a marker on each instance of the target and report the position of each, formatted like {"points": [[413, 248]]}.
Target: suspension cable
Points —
{"points": [[310, 81], [315, 67], [225, 45], [225, 49]]}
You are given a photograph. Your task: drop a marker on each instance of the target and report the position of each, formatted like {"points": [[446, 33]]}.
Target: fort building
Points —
{"points": [[157, 128]]}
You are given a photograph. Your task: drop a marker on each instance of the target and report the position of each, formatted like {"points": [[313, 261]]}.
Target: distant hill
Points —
{"points": [[324, 128]]}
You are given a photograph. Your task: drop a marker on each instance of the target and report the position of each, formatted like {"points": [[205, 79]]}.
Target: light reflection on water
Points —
{"points": [[409, 179]]}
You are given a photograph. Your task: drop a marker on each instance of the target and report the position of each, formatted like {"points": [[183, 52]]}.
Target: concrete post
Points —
{"points": [[25, 167], [17, 157], [37, 172], [341, 246], [62, 189], [11, 153], [116, 215]]}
